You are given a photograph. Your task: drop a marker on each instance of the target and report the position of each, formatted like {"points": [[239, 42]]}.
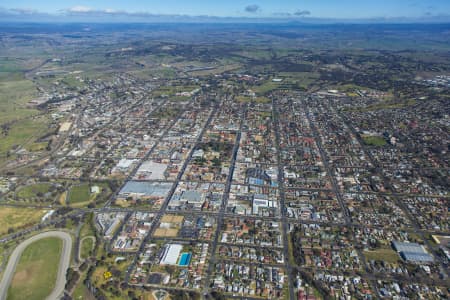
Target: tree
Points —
{"points": [[217, 296], [216, 162]]}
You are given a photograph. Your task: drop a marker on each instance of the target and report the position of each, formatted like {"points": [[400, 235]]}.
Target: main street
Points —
{"points": [[223, 206], [284, 221], [163, 209]]}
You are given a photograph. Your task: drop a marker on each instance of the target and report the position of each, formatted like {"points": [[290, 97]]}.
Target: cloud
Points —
{"points": [[88, 11], [302, 13], [88, 14], [80, 9], [112, 11], [24, 11], [252, 8], [282, 14]]}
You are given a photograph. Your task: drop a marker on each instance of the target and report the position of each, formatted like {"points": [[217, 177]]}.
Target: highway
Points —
{"points": [[62, 269]]}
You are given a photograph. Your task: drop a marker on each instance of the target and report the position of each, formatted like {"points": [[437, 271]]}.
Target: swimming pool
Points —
{"points": [[185, 259]]}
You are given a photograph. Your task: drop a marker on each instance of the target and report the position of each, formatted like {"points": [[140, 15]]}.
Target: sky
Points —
{"points": [[276, 9]]}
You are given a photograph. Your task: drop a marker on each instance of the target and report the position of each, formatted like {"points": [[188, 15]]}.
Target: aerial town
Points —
{"points": [[182, 173]]}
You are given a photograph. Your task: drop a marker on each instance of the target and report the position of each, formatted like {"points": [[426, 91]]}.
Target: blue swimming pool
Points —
{"points": [[185, 259]]}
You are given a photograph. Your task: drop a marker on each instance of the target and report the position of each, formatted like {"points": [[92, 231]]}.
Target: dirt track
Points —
{"points": [[63, 264]]}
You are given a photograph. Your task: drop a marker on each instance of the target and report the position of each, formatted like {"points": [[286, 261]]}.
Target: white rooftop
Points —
{"points": [[152, 170], [125, 163], [171, 254]]}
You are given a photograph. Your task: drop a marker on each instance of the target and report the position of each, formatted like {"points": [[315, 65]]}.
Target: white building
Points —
{"points": [[171, 254]]}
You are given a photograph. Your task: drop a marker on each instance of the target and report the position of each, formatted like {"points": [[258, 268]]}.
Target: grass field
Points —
{"points": [[218, 70], [86, 247], [32, 191], [36, 272], [81, 292], [14, 95], [264, 54], [371, 140], [9, 65], [384, 254], [23, 132], [87, 228], [265, 88], [301, 79], [15, 218], [165, 72], [72, 82], [36, 147], [80, 193]]}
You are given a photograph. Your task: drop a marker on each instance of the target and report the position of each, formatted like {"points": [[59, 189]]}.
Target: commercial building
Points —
{"points": [[136, 189], [412, 252], [171, 254]]}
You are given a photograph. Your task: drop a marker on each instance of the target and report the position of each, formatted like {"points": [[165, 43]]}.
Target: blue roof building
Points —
{"points": [[412, 252]]}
